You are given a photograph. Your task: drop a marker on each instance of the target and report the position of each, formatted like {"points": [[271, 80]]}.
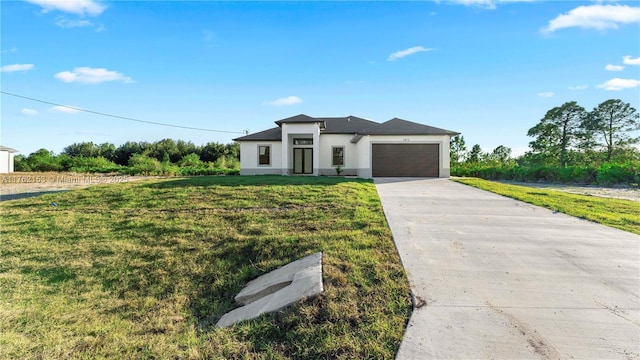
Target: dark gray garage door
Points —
{"points": [[405, 160]]}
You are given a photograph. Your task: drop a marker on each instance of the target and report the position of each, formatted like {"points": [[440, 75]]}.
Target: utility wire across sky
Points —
{"points": [[121, 117]]}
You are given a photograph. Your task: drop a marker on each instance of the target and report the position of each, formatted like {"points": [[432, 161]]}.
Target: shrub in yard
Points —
{"points": [[98, 164], [609, 174], [606, 174], [169, 169], [232, 162], [142, 164], [43, 160], [584, 174], [192, 160], [20, 163]]}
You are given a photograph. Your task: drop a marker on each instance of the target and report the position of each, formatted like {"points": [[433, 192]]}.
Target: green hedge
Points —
{"points": [[606, 174]]}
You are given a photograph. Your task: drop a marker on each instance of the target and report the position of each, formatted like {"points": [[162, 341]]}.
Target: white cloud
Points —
{"points": [[410, 51], [29, 112], [12, 50], [66, 23], [617, 84], [16, 68], [285, 101], [610, 67], [598, 17], [579, 87], [631, 61], [487, 4], [547, 94], [64, 109], [78, 7], [87, 75]]}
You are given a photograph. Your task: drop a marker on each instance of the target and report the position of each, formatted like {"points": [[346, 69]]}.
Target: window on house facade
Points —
{"points": [[303, 141], [264, 155], [337, 156]]}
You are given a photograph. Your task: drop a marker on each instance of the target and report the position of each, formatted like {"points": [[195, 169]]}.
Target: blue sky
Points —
{"points": [[489, 69]]}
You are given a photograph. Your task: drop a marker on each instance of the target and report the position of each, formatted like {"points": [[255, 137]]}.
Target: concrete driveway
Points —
{"points": [[497, 278]]}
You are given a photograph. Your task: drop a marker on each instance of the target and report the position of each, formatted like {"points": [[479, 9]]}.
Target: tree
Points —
{"points": [[158, 149], [107, 151], [501, 154], [233, 150], [20, 163], [190, 160], [611, 122], [457, 149], [43, 160], [124, 152], [558, 132], [212, 151], [475, 154], [185, 148], [84, 149]]}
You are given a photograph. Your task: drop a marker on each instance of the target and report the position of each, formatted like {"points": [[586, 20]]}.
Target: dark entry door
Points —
{"points": [[302, 160]]}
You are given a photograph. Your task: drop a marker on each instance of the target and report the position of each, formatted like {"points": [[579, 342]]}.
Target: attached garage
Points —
{"points": [[405, 160]]}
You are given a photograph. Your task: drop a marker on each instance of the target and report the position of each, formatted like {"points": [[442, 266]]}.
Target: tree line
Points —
{"points": [[164, 157], [570, 144]]}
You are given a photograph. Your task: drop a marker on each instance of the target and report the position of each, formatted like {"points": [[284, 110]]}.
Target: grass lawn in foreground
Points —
{"points": [[145, 269], [621, 214]]}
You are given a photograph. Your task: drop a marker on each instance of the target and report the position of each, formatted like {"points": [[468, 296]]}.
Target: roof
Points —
{"points": [[346, 125], [11, 150], [349, 125], [298, 119], [274, 134], [397, 126]]}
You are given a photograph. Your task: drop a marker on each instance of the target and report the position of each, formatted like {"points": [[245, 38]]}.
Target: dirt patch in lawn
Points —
{"points": [[20, 185], [626, 193]]}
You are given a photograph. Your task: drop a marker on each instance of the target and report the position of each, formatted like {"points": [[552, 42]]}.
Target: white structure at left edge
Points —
{"points": [[6, 159], [303, 145]]}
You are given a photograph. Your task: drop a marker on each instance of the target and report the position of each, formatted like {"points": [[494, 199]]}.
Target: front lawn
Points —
{"points": [[621, 214], [145, 269]]}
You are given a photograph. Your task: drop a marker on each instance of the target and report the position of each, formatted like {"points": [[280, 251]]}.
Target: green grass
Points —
{"points": [[144, 269], [621, 214]]}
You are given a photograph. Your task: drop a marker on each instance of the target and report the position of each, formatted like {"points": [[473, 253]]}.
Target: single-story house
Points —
{"points": [[6, 159], [304, 145]]}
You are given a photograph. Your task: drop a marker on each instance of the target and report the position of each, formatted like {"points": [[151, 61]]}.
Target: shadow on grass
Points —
{"points": [[8, 197], [254, 180], [209, 269], [235, 263]]}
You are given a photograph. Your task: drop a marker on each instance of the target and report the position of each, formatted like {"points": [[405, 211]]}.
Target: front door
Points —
{"points": [[302, 160]]}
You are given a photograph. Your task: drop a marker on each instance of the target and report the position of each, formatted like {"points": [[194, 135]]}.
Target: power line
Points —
{"points": [[121, 117]]}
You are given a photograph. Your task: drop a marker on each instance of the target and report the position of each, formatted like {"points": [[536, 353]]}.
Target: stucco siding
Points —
{"points": [[328, 142], [6, 162], [249, 158]]}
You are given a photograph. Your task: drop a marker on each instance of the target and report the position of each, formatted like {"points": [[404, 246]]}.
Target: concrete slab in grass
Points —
{"points": [[278, 289]]}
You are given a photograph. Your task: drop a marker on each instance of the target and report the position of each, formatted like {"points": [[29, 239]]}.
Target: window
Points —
{"points": [[337, 158], [264, 155], [305, 141]]}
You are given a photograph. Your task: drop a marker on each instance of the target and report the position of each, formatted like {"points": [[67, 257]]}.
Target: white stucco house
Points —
{"points": [[6, 159], [304, 145]]}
